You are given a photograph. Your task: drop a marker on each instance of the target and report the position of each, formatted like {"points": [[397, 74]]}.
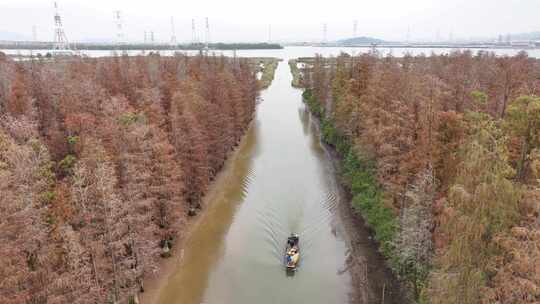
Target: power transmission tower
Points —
{"points": [[207, 33], [119, 28], [269, 33], [173, 33], [325, 32], [355, 28], [152, 37], [193, 32], [60, 38], [34, 33]]}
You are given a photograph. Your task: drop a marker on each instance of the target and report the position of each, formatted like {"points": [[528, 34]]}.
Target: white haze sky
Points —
{"points": [[291, 20]]}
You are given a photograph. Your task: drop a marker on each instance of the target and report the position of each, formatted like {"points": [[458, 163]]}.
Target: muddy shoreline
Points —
{"points": [[154, 284], [373, 281], [370, 276]]}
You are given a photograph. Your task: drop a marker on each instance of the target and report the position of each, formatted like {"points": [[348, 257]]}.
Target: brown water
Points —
{"points": [[281, 182]]}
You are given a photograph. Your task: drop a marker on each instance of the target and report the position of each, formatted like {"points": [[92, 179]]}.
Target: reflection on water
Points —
{"points": [[205, 246], [281, 183], [300, 51], [304, 115]]}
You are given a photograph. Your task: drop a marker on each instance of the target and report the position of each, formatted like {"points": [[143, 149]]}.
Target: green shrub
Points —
{"points": [[130, 118], [48, 196], [66, 164], [72, 140], [50, 220], [360, 178]]}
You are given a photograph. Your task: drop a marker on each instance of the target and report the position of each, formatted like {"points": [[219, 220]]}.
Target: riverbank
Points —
{"points": [[297, 75], [266, 66], [373, 279], [155, 285]]}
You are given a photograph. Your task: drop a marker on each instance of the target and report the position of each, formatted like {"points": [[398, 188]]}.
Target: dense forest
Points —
{"points": [[101, 160], [442, 155]]}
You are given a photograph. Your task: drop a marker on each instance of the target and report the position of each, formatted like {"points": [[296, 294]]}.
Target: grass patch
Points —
{"points": [[297, 76], [268, 71]]}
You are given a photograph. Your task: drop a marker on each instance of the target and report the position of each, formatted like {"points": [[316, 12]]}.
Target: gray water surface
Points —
{"points": [[298, 51], [281, 182]]}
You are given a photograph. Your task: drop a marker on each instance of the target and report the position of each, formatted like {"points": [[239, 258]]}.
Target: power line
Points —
{"points": [[173, 32], [207, 33], [34, 33], [117, 15], [325, 32], [193, 32]]}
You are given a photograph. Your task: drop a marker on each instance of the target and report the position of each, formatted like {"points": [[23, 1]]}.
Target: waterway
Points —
{"points": [[281, 181], [299, 51]]}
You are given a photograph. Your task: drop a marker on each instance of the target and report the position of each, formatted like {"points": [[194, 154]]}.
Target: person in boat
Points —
{"points": [[294, 255]]}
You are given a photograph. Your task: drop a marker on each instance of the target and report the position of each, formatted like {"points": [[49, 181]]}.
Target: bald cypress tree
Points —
{"points": [[483, 202], [523, 121]]}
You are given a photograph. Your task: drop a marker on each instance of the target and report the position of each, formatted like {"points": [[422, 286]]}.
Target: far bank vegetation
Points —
{"points": [[442, 154]]}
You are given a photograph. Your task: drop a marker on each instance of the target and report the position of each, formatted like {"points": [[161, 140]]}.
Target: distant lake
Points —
{"points": [[300, 51]]}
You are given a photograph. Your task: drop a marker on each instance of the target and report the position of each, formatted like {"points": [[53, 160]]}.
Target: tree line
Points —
{"points": [[442, 155], [144, 46], [100, 161]]}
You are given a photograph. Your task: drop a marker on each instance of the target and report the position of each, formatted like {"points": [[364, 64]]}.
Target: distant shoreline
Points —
{"points": [[24, 45], [421, 46]]}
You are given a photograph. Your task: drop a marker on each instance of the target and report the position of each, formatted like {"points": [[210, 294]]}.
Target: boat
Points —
{"points": [[292, 252]]}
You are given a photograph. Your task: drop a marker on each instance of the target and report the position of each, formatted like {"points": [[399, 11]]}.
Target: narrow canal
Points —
{"points": [[281, 181]]}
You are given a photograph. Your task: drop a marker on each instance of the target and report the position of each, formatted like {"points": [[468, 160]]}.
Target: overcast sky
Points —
{"points": [[290, 20]]}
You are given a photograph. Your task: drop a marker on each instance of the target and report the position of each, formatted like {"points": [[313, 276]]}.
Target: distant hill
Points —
{"points": [[361, 40]]}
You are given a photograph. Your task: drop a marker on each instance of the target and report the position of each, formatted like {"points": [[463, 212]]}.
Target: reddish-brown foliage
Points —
{"points": [[414, 114], [407, 112], [99, 161]]}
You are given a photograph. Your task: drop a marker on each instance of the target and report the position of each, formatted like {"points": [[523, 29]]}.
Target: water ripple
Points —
{"points": [[308, 219]]}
